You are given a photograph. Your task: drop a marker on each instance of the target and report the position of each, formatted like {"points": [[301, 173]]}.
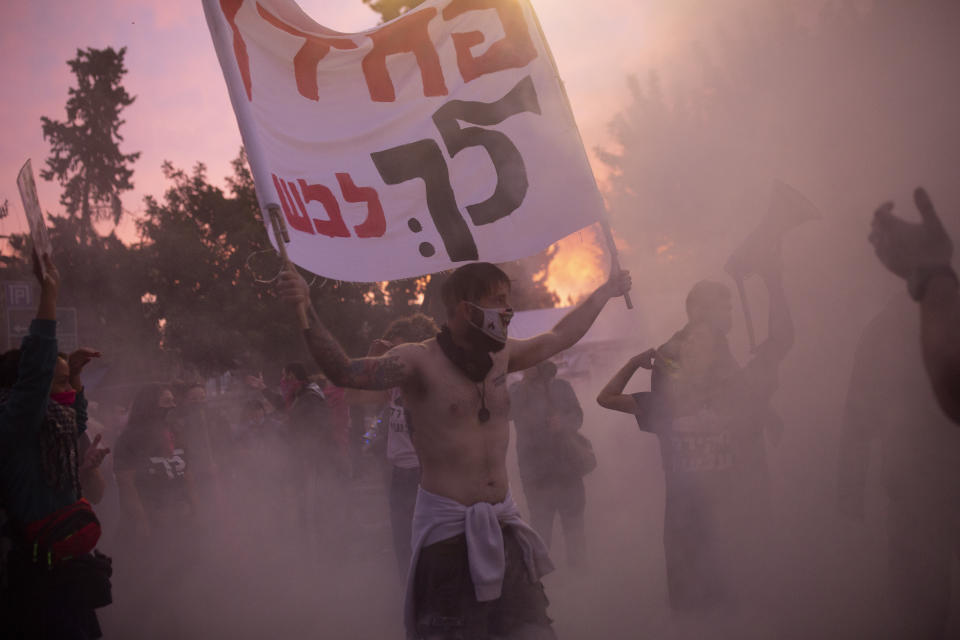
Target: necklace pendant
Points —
{"points": [[484, 414]]}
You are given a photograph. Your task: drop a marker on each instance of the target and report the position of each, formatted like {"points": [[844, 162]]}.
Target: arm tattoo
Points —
{"points": [[357, 373], [377, 373]]}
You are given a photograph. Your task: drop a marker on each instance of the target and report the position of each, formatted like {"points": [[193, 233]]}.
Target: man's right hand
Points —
{"points": [[292, 288], [905, 247], [644, 359]]}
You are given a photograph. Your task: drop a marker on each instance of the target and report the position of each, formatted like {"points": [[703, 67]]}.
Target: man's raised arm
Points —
{"points": [[612, 395], [921, 254], [384, 372], [526, 353]]}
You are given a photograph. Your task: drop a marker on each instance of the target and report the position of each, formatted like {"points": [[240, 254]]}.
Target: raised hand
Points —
{"points": [[256, 382], [645, 359], [292, 288], [49, 279], [94, 455], [81, 358], [904, 247], [618, 284]]}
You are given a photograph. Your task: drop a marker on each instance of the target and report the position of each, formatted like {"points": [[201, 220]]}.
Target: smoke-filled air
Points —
{"points": [[728, 407]]}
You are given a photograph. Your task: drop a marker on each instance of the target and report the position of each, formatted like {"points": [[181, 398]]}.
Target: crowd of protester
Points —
{"points": [[148, 478]]}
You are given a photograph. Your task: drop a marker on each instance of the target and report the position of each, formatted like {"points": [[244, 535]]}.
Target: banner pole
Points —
{"points": [[604, 223], [282, 238], [222, 38]]}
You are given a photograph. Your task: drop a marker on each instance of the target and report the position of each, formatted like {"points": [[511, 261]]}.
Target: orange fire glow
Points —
{"points": [[579, 266]]}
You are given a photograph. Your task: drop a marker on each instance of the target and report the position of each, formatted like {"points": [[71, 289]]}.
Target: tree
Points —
{"points": [[86, 158], [390, 9]]}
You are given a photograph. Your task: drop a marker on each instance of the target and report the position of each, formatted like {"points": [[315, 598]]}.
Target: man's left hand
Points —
{"points": [[618, 284]]}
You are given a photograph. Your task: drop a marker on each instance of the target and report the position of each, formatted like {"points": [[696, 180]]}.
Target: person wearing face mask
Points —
{"points": [[710, 416], [42, 476], [152, 467], [476, 565]]}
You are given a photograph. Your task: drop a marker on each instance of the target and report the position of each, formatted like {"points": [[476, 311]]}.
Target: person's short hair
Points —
{"points": [[471, 282], [705, 295], [398, 329], [415, 328], [422, 327], [297, 370], [9, 366]]}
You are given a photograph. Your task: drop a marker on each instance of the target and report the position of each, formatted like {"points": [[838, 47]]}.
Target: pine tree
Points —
{"points": [[86, 158]]}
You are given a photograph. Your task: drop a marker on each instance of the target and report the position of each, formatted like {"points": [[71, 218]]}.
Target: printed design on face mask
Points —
{"points": [[492, 322], [173, 466]]}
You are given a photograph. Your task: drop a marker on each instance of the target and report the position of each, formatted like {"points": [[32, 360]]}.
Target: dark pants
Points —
{"points": [[446, 607], [403, 499], [923, 542], [43, 606], [568, 498]]}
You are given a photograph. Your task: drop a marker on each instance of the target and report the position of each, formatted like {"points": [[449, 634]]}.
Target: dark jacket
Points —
{"points": [[532, 404], [26, 492]]}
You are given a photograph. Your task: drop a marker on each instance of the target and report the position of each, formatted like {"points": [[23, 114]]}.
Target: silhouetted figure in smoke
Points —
{"points": [[203, 432], [476, 564], [547, 415], [921, 253], [313, 448], [404, 463], [889, 399], [710, 415], [153, 472]]}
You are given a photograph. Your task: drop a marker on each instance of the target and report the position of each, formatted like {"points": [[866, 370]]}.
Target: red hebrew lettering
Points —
{"points": [[308, 58], [375, 225], [230, 9], [296, 221], [513, 51], [405, 35], [334, 227]]}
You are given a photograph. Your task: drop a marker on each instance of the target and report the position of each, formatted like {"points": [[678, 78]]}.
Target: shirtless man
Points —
{"points": [[476, 565]]}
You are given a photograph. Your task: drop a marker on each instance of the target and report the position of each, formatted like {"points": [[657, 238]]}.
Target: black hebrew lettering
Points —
{"points": [[512, 182], [423, 159]]}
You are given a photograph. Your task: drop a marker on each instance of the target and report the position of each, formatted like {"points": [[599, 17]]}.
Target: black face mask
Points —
{"points": [[474, 364], [482, 341]]}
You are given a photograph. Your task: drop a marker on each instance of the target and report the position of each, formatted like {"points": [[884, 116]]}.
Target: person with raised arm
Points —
{"points": [[476, 565], [710, 416], [921, 255], [55, 582]]}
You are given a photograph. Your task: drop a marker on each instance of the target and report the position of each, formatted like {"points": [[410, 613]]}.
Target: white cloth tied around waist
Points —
{"points": [[436, 518]]}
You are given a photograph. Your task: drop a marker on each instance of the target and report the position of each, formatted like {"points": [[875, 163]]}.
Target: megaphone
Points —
{"points": [[788, 209]]}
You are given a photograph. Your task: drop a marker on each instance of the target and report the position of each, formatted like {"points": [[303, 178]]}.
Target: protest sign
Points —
{"points": [[31, 207], [441, 137]]}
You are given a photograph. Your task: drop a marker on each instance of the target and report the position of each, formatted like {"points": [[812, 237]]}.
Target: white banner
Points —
{"points": [[438, 138]]}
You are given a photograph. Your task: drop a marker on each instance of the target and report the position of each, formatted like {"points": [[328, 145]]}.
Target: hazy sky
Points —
{"points": [[182, 112]]}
